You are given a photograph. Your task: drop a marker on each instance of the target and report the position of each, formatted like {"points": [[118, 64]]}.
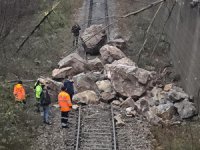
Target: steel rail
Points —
{"points": [[114, 130], [107, 19], [90, 13], [79, 128], [114, 142]]}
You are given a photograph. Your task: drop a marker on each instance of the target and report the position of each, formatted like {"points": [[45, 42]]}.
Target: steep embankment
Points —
{"points": [[37, 56]]}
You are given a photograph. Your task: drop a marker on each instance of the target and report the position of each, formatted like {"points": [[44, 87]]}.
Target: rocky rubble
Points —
{"points": [[113, 77], [130, 88], [136, 98]]}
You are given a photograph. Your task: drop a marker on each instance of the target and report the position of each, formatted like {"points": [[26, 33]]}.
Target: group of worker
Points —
{"points": [[43, 99], [42, 94]]}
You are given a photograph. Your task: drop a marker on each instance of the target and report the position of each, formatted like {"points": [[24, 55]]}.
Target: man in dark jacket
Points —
{"points": [[69, 86], [45, 102], [75, 30]]}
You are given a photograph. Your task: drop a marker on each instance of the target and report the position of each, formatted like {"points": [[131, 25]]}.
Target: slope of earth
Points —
{"points": [[18, 125]]}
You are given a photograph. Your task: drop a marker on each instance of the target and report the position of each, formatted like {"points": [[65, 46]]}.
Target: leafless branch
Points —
{"points": [[170, 13], [147, 32], [37, 26]]}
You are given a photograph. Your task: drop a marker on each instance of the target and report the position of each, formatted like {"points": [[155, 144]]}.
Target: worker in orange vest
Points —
{"points": [[65, 104], [19, 93]]}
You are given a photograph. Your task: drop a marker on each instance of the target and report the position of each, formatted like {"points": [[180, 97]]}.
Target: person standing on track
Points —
{"points": [[75, 31], [19, 93], [45, 101], [65, 104], [69, 86]]}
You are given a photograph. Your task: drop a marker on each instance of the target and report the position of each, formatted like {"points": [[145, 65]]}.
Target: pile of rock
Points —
{"points": [[161, 106], [115, 78]]}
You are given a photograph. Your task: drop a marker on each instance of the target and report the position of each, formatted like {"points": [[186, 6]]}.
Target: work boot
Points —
{"points": [[48, 123], [64, 127]]}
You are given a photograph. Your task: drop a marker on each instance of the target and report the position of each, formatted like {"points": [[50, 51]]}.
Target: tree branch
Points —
{"points": [[147, 31], [37, 26], [170, 13], [142, 9]]}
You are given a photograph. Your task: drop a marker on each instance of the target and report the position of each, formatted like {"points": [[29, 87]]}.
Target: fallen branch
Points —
{"points": [[37, 26], [147, 32], [14, 81], [142, 9], [170, 13]]}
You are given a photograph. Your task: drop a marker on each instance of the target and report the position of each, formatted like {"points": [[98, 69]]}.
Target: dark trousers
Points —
{"points": [[37, 104], [75, 40], [64, 119]]}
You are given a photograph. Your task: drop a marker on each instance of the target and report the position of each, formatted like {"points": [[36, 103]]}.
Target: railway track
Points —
{"points": [[72, 130], [93, 125], [98, 12], [96, 128]]}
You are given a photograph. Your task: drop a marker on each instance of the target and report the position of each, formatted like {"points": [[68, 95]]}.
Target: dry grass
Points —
{"points": [[43, 50], [38, 57], [134, 28], [183, 137]]}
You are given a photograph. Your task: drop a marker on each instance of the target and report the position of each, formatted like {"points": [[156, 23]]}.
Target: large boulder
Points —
{"points": [[86, 97], [107, 97], [54, 86], [83, 82], [126, 80], [111, 53], [77, 63], [95, 64], [61, 73], [93, 38], [186, 109], [96, 76], [104, 86]]}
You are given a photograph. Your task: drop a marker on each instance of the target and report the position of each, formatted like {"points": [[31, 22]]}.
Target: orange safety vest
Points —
{"points": [[19, 92], [64, 101]]}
